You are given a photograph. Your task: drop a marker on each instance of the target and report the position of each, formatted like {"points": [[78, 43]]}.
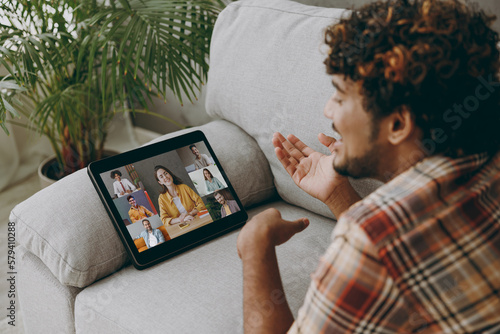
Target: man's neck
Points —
{"points": [[402, 159]]}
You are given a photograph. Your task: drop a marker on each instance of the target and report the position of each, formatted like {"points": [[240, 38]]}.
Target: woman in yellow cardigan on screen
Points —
{"points": [[178, 202]]}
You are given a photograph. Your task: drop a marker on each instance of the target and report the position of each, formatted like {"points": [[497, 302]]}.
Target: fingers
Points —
{"points": [[288, 162], [283, 150], [327, 141], [290, 151], [300, 146], [301, 224], [292, 145], [271, 213]]}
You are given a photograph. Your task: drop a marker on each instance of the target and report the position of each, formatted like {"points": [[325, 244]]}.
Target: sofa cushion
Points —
{"points": [[199, 291], [267, 75], [67, 227]]}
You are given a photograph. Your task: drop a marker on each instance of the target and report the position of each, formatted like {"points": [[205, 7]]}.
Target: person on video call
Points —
{"points": [[200, 160], [151, 236], [121, 187], [418, 107], [137, 212], [228, 206], [211, 182], [178, 202]]}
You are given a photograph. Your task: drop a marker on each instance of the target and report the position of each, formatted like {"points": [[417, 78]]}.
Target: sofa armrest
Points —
{"points": [[67, 227], [46, 305]]}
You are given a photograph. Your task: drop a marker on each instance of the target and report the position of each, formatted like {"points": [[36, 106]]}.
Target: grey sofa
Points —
{"points": [[266, 75]]}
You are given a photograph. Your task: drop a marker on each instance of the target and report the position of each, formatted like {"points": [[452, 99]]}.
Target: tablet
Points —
{"points": [[167, 197]]}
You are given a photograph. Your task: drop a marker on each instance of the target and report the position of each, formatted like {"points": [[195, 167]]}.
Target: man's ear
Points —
{"points": [[400, 125]]}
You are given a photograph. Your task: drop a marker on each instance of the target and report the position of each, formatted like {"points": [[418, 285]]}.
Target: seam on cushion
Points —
{"points": [[70, 305], [104, 317], [237, 4], [257, 191], [55, 251]]}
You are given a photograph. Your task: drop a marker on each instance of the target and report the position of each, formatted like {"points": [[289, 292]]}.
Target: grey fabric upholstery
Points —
{"points": [[266, 75], [199, 291], [67, 227], [47, 305]]}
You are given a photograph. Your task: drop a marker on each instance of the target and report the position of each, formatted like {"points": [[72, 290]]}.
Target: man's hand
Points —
{"points": [[261, 278], [313, 171], [267, 230]]}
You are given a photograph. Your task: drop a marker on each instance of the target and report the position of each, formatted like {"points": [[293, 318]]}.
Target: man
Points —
{"points": [[121, 187], [137, 212], [416, 106], [200, 160], [228, 206], [151, 236]]}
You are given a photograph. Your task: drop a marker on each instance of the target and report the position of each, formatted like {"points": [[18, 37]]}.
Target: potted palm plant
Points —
{"points": [[73, 64]]}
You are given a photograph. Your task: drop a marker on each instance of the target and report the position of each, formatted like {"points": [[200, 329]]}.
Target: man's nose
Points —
{"points": [[328, 110]]}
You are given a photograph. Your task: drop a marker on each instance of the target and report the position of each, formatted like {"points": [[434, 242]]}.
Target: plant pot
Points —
{"points": [[47, 172]]}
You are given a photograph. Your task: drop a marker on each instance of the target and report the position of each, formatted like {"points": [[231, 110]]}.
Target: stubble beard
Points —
{"points": [[361, 167]]}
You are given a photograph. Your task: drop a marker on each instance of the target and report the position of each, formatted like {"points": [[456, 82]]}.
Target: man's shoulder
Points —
{"points": [[415, 196]]}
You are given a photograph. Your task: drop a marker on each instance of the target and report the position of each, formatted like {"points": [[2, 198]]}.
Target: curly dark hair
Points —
{"points": [[115, 172], [438, 58]]}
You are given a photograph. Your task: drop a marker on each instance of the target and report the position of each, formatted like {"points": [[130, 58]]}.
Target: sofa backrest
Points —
{"points": [[267, 75]]}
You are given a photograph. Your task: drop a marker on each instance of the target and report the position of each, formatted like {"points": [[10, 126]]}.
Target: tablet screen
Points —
{"points": [[165, 196]]}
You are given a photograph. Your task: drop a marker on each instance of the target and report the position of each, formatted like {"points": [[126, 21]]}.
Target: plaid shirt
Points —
{"points": [[419, 255]]}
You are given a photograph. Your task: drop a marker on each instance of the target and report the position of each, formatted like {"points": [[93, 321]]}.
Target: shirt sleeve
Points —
{"points": [[149, 213], [218, 183], [115, 188], [160, 237], [196, 201], [351, 291], [165, 209], [129, 184], [206, 159]]}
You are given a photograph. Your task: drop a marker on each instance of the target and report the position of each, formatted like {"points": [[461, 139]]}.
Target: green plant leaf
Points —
{"points": [[83, 60]]}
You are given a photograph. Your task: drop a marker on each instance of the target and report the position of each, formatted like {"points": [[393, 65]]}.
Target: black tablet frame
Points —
{"points": [[145, 259]]}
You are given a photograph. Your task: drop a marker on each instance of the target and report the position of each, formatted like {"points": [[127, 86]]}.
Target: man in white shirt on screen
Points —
{"points": [[151, 236], [121, 187]]}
